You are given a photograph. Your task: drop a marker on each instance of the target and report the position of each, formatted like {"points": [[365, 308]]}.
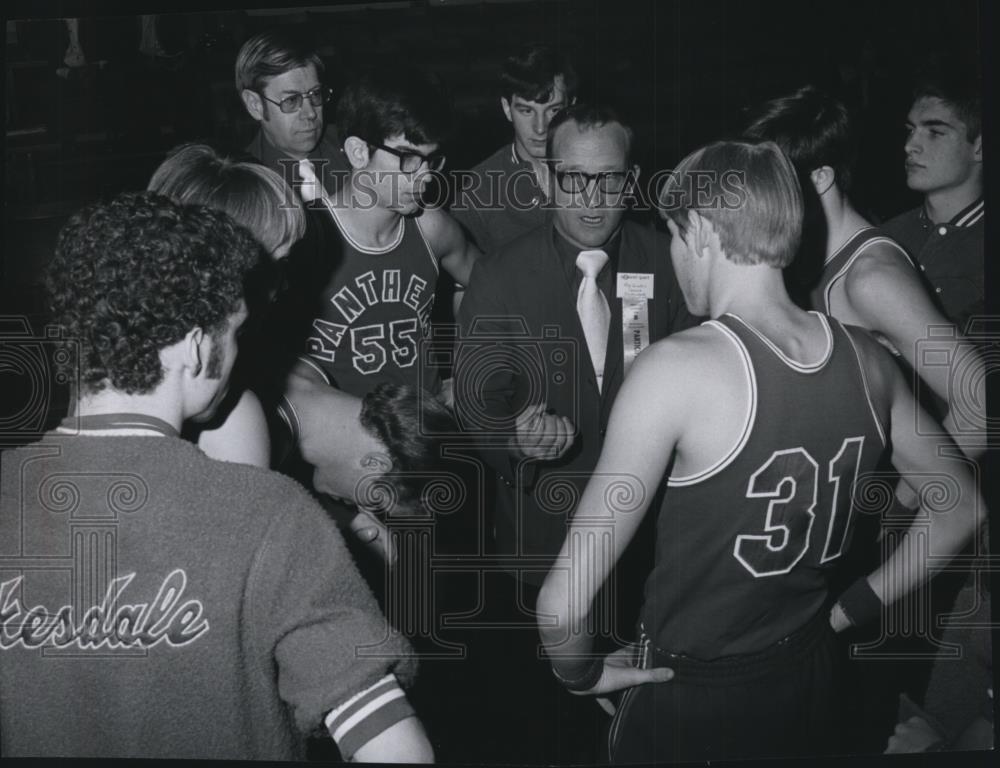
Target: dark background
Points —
{"points": [[683, 72]]}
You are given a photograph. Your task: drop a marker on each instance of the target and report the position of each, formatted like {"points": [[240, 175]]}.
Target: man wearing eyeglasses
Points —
{"points": [[504, 196], [580, 296], [279, 79], [378, 267]]}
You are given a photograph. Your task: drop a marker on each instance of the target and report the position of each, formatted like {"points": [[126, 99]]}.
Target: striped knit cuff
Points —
{"points": [[364, 716]]}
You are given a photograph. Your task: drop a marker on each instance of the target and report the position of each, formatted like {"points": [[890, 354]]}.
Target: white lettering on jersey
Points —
{"points": [[366, 283], [348, 304], [324, 346], [391, 282], [413, 291], [374, 343]]}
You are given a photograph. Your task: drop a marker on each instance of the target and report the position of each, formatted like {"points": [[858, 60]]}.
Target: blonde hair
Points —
{"points": [[750, 193], [254, 196]]}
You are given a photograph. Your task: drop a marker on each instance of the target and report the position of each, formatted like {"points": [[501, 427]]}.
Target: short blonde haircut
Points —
{"points": [[254, 196], [750, 193]]}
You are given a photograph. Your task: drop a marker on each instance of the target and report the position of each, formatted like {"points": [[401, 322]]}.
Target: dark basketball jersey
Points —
{"points": [[745, 548], [375, 311], [836, 266]]}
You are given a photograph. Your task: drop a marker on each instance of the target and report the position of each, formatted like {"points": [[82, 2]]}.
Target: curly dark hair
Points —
{"points": [[412, 424], [134, 275]]}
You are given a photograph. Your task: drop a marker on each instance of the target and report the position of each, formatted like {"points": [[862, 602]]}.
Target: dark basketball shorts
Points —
{"points": [[779, 702]]}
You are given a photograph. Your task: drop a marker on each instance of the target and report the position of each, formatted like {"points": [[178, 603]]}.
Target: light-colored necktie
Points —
{"points": [[592, 307], [311, 188]]}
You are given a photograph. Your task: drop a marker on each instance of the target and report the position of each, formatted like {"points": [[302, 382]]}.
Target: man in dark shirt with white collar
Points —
{"points": [[944, 161], [505, 195], [279, 77]]}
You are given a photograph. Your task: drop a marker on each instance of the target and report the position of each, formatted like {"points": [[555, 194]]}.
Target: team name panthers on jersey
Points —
{"points": [[376, 309], [371, 346]]}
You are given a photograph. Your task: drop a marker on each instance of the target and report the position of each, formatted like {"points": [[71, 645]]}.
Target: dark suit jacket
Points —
{"points": [[521, 344], [328, 159]]}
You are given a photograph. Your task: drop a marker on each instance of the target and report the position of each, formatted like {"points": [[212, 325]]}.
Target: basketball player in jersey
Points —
{"points": [[735, 630], [383, 249], [867, 278]]}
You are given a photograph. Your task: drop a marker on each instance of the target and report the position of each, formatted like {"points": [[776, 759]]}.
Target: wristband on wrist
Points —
{"points": [[860, 603], [586, 677]]}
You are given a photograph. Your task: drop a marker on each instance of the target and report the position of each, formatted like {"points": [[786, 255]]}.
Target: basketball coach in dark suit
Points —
{"points": [[550, 324]]}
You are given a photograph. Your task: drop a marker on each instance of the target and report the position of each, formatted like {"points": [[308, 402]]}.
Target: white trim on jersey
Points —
{"points": [[850, 262], [315, 367], [397, 239], [864, 382], [288, 414], [847, 242], [794, 364], [427, 245], [751, 417]]}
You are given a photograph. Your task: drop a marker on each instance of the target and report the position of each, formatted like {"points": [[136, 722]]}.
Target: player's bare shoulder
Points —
{"points": [[877, 267], [689, 363]]}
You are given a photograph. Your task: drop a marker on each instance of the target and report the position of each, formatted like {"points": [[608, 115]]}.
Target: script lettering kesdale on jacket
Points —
{"points": [[113, 623]]}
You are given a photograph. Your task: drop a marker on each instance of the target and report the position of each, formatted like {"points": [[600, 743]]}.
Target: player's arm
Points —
{"points": [[449, 244], [647, 413], [242, 438], [886, 294], [312, 619], [935, 535]]}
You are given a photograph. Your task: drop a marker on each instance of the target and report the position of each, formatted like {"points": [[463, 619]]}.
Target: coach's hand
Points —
{"points": [[620, 672], [541, 435]]}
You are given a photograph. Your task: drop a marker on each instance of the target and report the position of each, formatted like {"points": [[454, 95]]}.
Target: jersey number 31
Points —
{"points": [[790, 480]]}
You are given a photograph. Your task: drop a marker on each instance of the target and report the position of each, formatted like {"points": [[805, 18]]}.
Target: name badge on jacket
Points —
{"points": [[635, 289]]}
